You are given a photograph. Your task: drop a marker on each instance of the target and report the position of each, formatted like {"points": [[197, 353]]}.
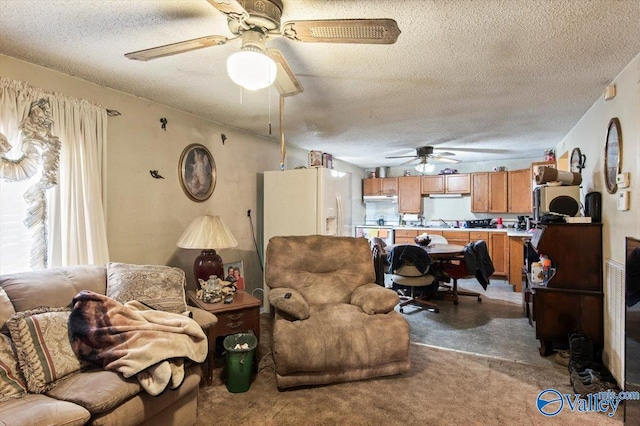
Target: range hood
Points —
{"points": [[380, 198]]}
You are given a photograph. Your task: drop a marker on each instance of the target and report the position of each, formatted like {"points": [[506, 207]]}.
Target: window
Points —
{"points": [[51, 146], [15, 238]]}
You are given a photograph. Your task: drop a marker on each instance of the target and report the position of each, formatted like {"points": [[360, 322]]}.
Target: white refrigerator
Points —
{"points": [[313, 201]]}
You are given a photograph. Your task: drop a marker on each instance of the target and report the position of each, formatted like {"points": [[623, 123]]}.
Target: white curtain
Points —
{"points": [[76, 209]]}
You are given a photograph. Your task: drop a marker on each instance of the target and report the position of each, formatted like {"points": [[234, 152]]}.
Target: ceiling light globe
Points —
{"points": [[425, 167], [251, 70]]}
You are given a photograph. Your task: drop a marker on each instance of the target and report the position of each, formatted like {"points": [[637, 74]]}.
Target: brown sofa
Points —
{"points": [[331, 322], [92, 395]]}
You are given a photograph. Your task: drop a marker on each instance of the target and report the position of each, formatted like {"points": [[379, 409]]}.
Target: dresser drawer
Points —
{"points": [[237, 321]]}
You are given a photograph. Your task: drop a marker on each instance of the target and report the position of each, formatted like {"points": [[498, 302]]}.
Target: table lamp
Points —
{"points": [[208, 233]]}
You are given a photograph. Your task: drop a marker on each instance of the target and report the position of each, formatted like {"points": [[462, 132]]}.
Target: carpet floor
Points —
{"points": [[444, 386]]}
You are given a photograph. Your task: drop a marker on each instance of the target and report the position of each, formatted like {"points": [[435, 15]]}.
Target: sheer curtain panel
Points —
{"points": [[73, 192]]}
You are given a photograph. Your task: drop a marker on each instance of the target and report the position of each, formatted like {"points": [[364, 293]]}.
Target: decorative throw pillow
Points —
{"points": [[42, 343], [12, 384], [159, 287]]}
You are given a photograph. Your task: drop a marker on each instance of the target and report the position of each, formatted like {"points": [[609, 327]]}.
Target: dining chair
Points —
{"points": [[467, 267], [408, 271]]}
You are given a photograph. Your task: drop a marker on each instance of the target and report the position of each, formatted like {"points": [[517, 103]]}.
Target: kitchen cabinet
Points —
{"points": [[498, 245], [380, 186], [573, 298], [389, 186], [459, 183], [432, 184], [479, 192], [489, 192], [520, 191], [409, 195], [460, 238], [405, 236], [516, 261], [479, 235], [498, 192]]}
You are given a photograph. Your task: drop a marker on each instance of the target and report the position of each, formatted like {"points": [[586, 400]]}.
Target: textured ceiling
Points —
{"points": [[485, 79]]}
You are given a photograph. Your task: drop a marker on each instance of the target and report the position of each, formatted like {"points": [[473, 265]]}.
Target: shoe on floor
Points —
{"points": [[562, 357]]}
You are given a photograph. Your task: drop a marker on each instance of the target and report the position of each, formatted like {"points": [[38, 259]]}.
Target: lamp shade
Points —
{"points": [[251, 70], [208, 233]]}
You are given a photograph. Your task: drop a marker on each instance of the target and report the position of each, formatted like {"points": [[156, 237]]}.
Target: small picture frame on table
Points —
{"points": [[234, 272]]}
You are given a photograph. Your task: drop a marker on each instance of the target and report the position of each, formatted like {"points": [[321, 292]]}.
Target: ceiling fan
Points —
{"points": [[256, 21], [424, 154]]}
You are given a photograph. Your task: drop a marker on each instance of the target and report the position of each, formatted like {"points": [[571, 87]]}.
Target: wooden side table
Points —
{"points": [[240, 316]]}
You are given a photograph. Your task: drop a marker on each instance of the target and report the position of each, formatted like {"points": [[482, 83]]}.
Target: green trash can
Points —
{"points": [[240, 360]]}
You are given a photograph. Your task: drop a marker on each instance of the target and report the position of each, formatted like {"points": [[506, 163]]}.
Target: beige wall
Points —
{"points": [[589, 134], [146, 216]]}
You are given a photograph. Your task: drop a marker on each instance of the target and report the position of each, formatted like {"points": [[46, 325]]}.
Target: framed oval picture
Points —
{"points": [[197, 172], [612, 155]]}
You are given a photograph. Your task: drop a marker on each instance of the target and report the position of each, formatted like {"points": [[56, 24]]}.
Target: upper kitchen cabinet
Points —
{"points": [[446, 184], [432, 184], [380, 186], [520, 190], [489, 192], [389, 186], [409, 195], [457, 183]]}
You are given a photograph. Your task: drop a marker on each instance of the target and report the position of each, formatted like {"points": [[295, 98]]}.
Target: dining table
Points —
{"points": [[438, 251]]}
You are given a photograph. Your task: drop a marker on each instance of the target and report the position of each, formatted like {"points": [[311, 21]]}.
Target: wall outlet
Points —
{"points": [[623, 200], [622, 180]]}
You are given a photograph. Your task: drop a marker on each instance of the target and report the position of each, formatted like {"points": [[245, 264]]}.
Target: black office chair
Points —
{"points": [[410, 268]]}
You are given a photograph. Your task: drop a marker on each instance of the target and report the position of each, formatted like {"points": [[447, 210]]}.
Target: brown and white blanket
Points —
{"points": [[134, 339]]}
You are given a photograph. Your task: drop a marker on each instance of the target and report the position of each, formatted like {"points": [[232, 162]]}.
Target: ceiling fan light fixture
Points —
{"points": [[425, 167], [251, 68]]}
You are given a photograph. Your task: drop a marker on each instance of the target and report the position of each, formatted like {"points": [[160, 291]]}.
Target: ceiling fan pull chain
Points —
{"points": [[269, 90], [283, 148]]}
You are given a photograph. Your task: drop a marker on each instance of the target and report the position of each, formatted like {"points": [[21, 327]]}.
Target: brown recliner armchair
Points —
{"points": [[331, 322]]}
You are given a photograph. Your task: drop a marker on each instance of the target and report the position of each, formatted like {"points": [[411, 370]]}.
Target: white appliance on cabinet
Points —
{"points": [[313, 201]]}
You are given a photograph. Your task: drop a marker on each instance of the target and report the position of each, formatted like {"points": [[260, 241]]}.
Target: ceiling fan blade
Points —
{"points": [[402, 156], [362, 31], [231, 8], [444, 159], [175, 48], [286, 81], [445, 153], [410, 161]]}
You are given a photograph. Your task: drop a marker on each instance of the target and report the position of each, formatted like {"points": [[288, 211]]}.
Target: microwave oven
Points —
{"points": [[563, 200]]}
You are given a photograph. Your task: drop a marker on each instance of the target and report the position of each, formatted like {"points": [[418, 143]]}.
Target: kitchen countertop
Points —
{"points": [[510, 231]]}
